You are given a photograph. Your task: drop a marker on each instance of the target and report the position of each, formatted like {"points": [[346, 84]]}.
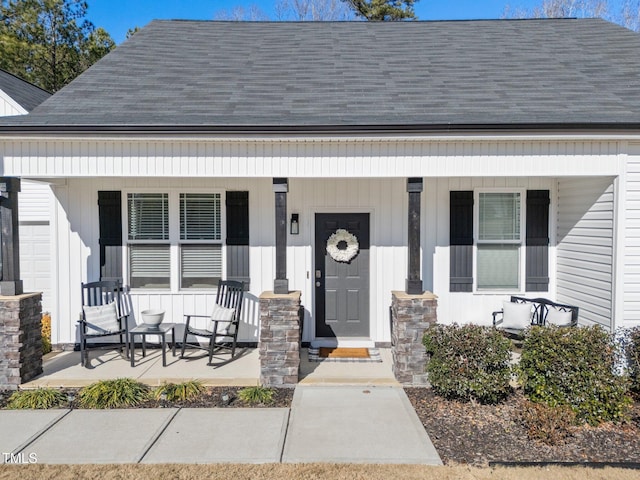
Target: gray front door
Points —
{"points": [[342, 287]]}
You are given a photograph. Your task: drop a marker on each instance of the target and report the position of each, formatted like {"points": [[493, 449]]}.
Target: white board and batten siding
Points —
{"points": [[585, 248], [465, 307], [384, 157], [77, 233], [326, 175], [386, 202]]}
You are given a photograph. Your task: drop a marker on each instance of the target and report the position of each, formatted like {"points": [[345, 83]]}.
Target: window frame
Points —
{"points": [[174, 241], [220, 241], [521, 242]]}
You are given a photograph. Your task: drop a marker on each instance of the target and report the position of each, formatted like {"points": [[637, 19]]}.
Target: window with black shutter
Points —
{"points": [[110, 234], [494, 250], [237, 204], [537, 241], [461, 241]]}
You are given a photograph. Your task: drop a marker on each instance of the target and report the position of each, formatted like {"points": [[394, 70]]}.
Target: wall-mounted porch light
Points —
{"points": [[295, 224]]}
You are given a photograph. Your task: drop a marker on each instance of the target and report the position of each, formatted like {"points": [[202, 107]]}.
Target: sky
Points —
{"points": [[118, 16]]}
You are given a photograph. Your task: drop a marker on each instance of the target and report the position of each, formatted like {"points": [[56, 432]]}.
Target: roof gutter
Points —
{"points": [[548, 128]]}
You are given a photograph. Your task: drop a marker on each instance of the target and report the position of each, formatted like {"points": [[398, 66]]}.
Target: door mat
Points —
{"points": [[327, 352], [346, 355]]}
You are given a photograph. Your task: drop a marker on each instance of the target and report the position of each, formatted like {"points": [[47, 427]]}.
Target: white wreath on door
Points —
{"points": [[342, 254]]}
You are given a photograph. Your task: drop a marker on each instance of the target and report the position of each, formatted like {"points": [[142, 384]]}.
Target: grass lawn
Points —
{"points": [[306, 472]]}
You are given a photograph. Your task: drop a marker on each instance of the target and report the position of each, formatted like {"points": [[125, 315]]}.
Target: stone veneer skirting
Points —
{"points": [[279, 344], [411, 315], [20, 339]]}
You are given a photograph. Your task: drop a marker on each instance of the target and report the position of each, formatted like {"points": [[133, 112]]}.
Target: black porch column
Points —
{"points": [[414, 282], [10, 283], [280, 188]]}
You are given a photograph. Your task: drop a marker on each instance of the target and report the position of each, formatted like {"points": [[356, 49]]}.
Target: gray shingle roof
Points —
{"points": [[271, 75], [27, 95]]}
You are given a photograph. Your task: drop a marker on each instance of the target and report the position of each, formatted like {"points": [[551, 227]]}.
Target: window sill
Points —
{"points": [[498, 292], [150, 291]]}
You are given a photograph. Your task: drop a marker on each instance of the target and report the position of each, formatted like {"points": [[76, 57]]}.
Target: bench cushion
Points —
{"points": [[516, 315], [558, 317]]}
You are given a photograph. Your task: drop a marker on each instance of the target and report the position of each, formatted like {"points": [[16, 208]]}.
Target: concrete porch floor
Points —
{"points": [[63, 369]]}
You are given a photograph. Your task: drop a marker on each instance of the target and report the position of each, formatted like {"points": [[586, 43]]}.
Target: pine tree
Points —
{"points": [[49, 42], [383, 10]]}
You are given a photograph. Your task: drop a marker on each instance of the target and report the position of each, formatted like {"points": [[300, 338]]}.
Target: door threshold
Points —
{"points": [[343, 343]]}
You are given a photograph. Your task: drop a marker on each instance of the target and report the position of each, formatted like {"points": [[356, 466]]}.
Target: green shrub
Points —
{"points": [[119, 393], [574, 367], [38, 399], [550, 425], [256, 395], [179, 392], [633, 356], [468, 362]]}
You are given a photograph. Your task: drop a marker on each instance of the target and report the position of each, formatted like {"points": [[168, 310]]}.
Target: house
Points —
{"points": [[505, 153], [19, 97]]}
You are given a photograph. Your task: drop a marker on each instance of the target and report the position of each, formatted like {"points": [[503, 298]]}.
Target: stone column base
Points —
{"points": [[279, 344], [20, 339], [411, 315]]}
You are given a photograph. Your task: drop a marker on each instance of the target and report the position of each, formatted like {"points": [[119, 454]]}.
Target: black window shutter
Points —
{"points": [[237, 204], [110, 219], [537, 241], [461, 241]]}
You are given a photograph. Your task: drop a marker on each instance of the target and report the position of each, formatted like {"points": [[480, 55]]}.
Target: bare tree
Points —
{"points": [[630, 15], [325, 10], [560, 9], [313, 10], [239, 14], [625, 13]]}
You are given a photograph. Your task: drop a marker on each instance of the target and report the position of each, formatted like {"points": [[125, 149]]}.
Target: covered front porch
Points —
{"points": [[272, 220], [62, 369], [326, 181]]}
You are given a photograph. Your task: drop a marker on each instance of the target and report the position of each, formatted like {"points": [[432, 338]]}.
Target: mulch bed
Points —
{"points": [[225, 397], [477, 434], [214, 397]]}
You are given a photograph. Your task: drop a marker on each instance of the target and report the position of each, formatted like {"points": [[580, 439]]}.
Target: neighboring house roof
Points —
{"points": [[25, 94], [274, 75]]}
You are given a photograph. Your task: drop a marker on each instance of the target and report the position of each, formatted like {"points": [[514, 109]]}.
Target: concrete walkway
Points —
{"points": [[335, 424], [356, 425]]}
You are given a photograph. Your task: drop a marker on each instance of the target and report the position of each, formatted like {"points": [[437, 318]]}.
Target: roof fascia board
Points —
{"points": [[344, 136]]}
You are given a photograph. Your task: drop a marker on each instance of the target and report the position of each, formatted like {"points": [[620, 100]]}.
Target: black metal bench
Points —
{"points": [[540, 313]]}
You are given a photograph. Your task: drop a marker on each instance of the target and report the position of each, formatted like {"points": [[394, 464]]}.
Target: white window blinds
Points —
{"points": [[499, 241], [499, 217], [498, 266], [189, 224], [149, 265], [148, 216], [200, 216], [201, 265]]}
